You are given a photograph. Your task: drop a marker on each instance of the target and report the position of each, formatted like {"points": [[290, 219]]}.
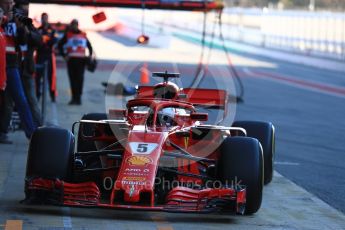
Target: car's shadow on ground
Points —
{"points": [[125, 215]]}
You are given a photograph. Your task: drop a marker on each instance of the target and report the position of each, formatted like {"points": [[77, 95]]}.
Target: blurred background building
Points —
{"points": [[336, 5]]}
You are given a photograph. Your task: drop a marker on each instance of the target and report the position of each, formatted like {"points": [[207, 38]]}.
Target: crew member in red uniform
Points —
{"points": [[73, 48], [45, 53], [14, 88]]}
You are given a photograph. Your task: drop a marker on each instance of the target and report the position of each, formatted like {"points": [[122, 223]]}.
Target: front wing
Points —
{"points": [[179, 199]]}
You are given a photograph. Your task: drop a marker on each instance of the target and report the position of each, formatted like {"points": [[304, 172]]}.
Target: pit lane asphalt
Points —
{"points": [[310, 148]]}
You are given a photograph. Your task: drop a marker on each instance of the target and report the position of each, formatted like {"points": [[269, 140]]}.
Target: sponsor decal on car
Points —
{"points": [[132, 170], [136, 172], [133, 178], [139, 160], [125, 182]]}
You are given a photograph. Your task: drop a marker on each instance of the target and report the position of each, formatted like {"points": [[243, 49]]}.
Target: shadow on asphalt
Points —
{"points": [[106, 214]]}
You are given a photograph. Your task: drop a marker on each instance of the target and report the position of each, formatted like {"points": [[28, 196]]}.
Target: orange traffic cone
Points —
{"points": [[144, 76]]}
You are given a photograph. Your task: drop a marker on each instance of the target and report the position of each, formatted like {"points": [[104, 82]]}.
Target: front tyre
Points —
{"points": [[265, 133], [51, 154], [241, 163]]}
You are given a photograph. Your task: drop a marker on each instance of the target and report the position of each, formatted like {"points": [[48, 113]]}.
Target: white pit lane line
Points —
{"points": [[66, 219], [286, 163]]}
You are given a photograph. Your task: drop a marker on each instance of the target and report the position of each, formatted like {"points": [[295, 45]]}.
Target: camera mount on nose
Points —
{"points": [[166, 75]]}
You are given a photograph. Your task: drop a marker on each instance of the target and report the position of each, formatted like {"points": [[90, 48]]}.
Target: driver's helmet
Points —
{"points": [[166, 116], [166, 90]]}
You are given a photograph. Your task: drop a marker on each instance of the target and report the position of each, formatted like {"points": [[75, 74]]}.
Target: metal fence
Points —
{"points": [[311, 33]]}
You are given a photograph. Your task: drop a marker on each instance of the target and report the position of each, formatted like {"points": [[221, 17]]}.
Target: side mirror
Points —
{"points": [[99, 17], [199, 116]]}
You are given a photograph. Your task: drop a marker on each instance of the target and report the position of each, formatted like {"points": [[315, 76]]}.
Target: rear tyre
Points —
{"points": [[51, 154], [241, 162], [87, 145], [265, 133]]}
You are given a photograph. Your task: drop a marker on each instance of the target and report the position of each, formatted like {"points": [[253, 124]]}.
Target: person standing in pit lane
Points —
{"points": [[34, 40], [45, 53], [75, 42], [3, 78], [14, 88]]}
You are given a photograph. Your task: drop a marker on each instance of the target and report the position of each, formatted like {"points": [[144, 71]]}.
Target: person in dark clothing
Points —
{"points": [[34, 41], [45, 53], [73, 48], [16, 34]]}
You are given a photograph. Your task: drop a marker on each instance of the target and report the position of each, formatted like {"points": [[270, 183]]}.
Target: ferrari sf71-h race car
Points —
{"points": [[157, 154]]}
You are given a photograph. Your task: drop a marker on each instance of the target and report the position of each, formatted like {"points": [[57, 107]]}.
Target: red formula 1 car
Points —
{"points": [[154, 155]]}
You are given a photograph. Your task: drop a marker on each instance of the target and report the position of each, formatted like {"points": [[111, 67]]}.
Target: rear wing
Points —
{"points": [[214, 98], [211, 98]]}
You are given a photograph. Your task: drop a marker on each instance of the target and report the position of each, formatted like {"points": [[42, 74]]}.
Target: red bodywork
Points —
{"points": [[149, 4], [147, 147]]}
